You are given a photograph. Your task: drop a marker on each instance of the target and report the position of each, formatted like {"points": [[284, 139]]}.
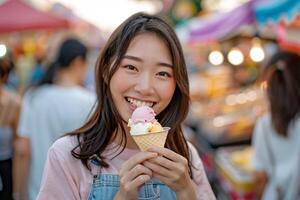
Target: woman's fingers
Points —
{"points": [[166, 168], [170, 167], [166, 176], [162, 178], [131, 188], [136, 171], [139, 181], [163, 161], [133, 174], [137, 159], [135, 179], [168, 154], [156, 168], [170, 160]]}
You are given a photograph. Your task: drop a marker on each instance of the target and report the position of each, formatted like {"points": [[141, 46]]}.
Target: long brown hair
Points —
{"points": [[283, 80], [105, 121]]}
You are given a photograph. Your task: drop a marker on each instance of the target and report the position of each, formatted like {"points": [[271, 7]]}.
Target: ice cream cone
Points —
{"points": [[145, 141]]}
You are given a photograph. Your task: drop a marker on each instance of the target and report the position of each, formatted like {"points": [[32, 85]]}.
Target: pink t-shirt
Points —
{"points": [[65, 177]]}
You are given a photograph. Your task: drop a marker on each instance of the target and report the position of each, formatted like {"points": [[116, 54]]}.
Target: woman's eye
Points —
{"points": [[130, 67], [164, 74]]}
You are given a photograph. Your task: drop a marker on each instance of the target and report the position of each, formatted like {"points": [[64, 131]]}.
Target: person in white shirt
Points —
{"points": [[57, 105], [277, 134]]}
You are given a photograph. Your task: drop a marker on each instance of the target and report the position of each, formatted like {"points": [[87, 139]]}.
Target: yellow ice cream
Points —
{"points": [[156, 127]]}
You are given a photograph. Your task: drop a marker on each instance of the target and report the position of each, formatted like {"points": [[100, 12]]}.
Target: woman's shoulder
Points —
{"points": [[65, 142], [265, 118], [13, 97], [63, 147], [192, 148], [64, 172], [199, 176], [10, 102], [264, 122], [194, 155], [34, 93]]}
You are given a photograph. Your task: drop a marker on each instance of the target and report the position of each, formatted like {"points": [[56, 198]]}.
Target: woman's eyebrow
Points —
{"points": [[141, 60], [165, 64], [132, 58]]}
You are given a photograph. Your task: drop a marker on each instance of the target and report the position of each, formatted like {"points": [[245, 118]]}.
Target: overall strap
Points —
{"points": [[94, 163]]}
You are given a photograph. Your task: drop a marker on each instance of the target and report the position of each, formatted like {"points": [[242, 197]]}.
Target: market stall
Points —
{"points": [[227, 91]]}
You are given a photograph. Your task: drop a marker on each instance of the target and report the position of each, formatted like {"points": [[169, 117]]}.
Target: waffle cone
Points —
{"points": [[158, 139]]}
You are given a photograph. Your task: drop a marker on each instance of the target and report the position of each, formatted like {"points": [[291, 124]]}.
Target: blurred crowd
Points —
{"points": [[55, 101]]}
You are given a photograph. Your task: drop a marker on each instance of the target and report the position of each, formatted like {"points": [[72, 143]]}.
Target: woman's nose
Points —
{"points": [[144, 85]]}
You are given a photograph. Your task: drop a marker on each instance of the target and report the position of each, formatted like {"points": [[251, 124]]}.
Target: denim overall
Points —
{"points": [[106, 186]]}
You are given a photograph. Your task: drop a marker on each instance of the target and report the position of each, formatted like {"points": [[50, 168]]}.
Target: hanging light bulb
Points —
{"points": [[235, 56], [2, 50], [257, 53], [216, 57]]}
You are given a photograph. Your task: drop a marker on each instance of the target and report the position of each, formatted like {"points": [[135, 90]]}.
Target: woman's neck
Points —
{"points": [[67, 81]]}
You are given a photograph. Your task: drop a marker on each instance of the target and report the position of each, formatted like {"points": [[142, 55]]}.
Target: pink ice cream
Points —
{"points": [[143, 114], [143, 121]]}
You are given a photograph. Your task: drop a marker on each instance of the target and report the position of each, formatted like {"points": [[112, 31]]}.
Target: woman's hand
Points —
{"points": [[133, 175], [173, 170]]}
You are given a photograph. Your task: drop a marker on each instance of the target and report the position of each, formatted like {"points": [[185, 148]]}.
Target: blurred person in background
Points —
{"points": [[276, 136], [9, 114], [38, 71], [58, 104]]}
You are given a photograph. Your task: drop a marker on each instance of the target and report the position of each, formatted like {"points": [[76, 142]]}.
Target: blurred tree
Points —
{"points": [[179, 11], [183, 10]]}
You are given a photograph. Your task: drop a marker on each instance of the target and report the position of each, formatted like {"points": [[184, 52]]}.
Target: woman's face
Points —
{"points": [[144, 76]]}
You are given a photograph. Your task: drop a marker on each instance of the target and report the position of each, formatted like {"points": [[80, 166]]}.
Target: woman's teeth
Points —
{"points": [[139, 103]]}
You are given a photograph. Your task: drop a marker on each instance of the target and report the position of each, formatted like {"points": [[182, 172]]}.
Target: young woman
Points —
{"points": [[277, 134], [58, 104], [142, 63]]}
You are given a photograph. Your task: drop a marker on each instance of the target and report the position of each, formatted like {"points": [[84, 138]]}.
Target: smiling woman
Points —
{"points": [[141, 64]]}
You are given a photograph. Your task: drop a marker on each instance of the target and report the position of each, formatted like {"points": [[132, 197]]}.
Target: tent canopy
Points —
{"points": [[274, 11], [220, 25], [252, 12], [16, 15]]}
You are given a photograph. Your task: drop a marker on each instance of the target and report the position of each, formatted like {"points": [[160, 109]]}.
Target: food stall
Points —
{"points": [[228, 97]]}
